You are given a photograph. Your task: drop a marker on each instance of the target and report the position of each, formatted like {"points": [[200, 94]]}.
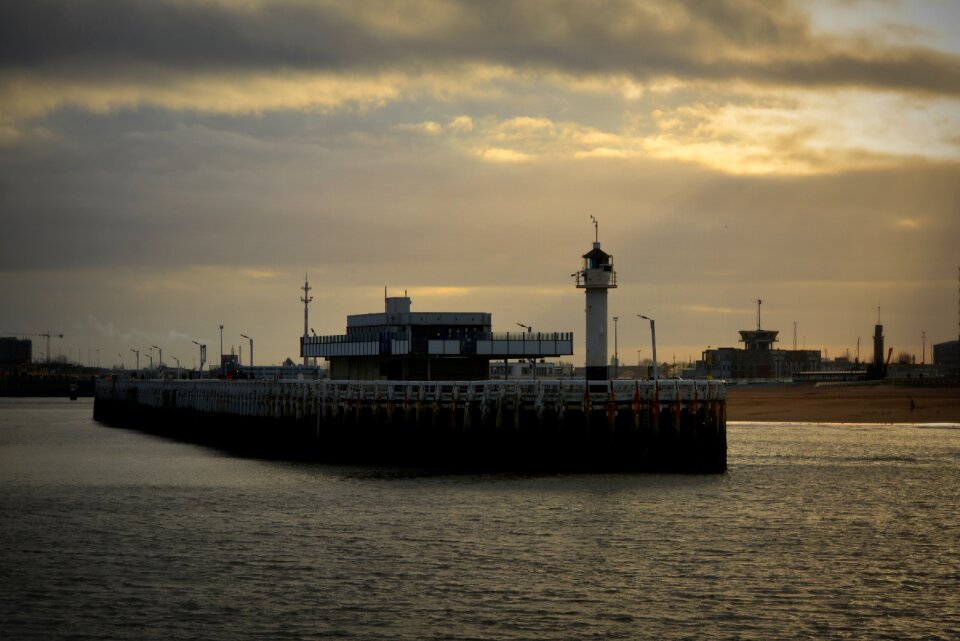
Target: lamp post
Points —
{"points": [[137, 352], [160, 363], [251, 347], [203, 353], [533, 361], [616, 355], [221, 345], [150, 356], [653, 339]]}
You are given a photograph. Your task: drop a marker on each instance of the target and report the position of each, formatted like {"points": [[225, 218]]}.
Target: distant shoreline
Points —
{"points": [[844, 404]]}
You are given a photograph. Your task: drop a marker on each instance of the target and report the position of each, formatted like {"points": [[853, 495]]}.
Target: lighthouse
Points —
{"points": [[596, 277]]}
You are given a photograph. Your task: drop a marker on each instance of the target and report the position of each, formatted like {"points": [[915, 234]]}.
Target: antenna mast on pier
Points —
{"points": [[306, 299], [758, 313]]}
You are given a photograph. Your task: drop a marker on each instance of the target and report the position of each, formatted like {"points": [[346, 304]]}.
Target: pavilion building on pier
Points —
{"points": [[402, 345]]}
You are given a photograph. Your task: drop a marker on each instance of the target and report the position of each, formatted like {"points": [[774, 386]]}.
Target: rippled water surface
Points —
{"points": [[815, 532]]}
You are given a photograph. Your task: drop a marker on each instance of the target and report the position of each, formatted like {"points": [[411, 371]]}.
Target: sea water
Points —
{"points": [[816, 531]]}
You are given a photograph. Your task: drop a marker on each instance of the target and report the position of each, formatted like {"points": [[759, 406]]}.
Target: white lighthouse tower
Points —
{"points": [[597, 276]]}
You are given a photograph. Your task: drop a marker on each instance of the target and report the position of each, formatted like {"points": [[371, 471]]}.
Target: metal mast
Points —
{"points": [[48, 335], [306, 299]]}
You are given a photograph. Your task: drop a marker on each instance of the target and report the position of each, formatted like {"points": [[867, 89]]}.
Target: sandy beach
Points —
{"points": [[844, 404]]}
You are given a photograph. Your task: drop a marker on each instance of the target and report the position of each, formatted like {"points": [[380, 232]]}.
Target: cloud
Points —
{"points": [[441, 292], [502, 155], [461, 124], [428, 128], [735, 86], [785, 133], [708, 309], [174, 47], [259, 274], [166, 163], [908, 223], [100, 328]]}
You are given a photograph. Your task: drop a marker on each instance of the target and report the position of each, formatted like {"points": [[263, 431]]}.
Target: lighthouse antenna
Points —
{"points": [[596, 229]]}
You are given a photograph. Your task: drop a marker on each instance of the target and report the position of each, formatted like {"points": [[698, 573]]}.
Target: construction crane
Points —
{"points": [[47, 335]]}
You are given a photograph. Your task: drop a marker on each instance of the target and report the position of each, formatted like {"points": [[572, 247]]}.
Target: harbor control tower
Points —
{"points": [[596, 277]]}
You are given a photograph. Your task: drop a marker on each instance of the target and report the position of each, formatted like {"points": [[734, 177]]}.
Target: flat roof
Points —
{"points": [[419, 318]]}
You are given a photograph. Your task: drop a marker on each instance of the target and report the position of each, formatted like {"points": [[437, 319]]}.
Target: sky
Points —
{"points": [[170, 166]]}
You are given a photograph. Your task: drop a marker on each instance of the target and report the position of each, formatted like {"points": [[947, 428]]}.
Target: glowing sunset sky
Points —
{"points": [[168, 166]]}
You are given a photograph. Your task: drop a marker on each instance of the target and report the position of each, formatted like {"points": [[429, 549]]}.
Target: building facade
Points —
{"points": [[15, 351], [757, 360], [947, 354], [403, 345]]}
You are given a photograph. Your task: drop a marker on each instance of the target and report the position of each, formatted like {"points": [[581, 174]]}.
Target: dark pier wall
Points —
{"points": [[500, 433]]}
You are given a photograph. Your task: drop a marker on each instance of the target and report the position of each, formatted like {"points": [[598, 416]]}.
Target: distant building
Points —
{"points": [[229, 363], [15, 351], [402, 345], [947, 354], [731, 363], [525, 369], [757, 360], [914, 373], [291, 372]]}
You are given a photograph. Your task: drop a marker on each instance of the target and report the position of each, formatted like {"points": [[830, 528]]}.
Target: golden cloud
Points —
{"points": [[31, 95], [428, 128], [440, 292], [908, 223], [736, 130], [502, 155]]}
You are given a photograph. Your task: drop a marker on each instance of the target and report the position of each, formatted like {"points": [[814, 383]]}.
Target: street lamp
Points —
{"points": [[616, 357], [653, 339], [251, 347], [160, 364], [533, 361], [137, 352], [203, 353], [221, 345]]}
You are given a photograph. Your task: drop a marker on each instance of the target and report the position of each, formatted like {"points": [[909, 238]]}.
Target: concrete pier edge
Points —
{"points": [[528, 425]]}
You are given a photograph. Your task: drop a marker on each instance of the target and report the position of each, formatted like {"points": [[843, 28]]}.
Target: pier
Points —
{"points": [[520, 425]]}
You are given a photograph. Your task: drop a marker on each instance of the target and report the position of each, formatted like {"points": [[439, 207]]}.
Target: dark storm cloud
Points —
{"points": [[762, 42]]}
